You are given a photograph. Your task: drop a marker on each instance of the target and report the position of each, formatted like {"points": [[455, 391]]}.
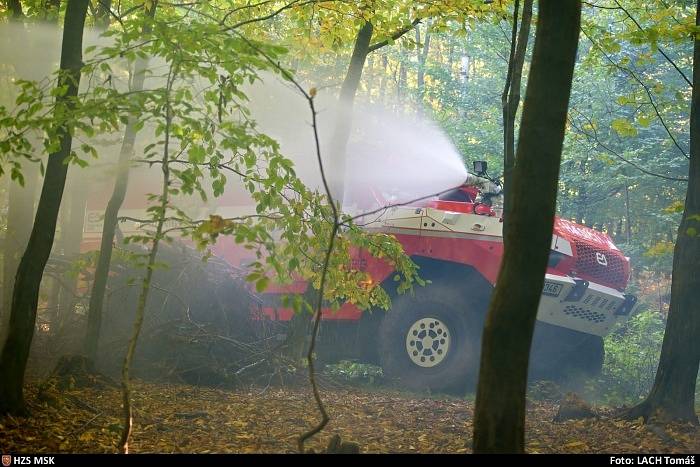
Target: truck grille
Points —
{"points": [[584, 314], [602, 266]]}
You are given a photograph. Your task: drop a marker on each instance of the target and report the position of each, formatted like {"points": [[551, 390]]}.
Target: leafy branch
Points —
{"points": [[661, 51], [595, 139], [636, 78]]}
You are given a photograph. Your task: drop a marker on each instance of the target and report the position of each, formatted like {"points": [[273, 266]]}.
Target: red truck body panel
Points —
{"points": [[591, 255]]}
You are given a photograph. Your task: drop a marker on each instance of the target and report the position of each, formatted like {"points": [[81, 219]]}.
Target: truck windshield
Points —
{"points": [[456, 195]]}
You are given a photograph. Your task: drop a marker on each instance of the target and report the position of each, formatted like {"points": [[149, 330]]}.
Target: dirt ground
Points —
{"points": [[172, 418]]}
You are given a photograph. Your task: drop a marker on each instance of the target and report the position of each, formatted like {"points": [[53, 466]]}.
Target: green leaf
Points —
{"points": [[623, 127], [262, 283], [676, 206]]}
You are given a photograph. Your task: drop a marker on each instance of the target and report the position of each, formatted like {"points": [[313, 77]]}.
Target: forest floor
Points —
{"points": [[178, 418]]}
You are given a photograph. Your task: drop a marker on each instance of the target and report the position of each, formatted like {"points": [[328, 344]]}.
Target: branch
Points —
{"points": [[324, 273], [249, 5], [396, 35], [107, 11], [644, 86], [127, 411], [511, 55], [271, 15], [608, 149], [668, 59], [309, 96], [602, 7]]}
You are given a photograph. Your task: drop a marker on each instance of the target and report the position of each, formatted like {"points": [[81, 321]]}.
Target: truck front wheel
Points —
{"points": [[429, 343]]}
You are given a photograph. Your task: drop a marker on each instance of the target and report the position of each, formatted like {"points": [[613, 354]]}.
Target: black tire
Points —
{"points": [[457, 369]]}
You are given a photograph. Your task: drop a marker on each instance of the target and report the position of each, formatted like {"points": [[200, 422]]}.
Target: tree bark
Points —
{"points": [[422, 57], [510, 100], [26, 290], [56, 317], [401, 83], [103, 14], [383, 79], [628, 217], [109, 225], [582, 196], [72, 233], [51, 10], [53, 306], [500, 401], [618, 231], [509, 152], [672, 397], [343, 123], [348, 90]]}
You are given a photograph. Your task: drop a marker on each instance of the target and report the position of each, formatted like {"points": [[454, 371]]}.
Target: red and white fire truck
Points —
{"points": [[431, 338]]}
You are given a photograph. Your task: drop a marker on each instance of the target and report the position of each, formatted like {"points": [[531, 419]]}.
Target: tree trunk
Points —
{"points": [[51, 10], [20, 212], [18, 220], [53, 307], [422, 57], [72, 234], [370, 74], [146, 283], [22, 200], [15, 6], [628, 217], [672, 398], [383, 79], [582, 198], [109, 225], [403, 76], [510, 100], [26, 290], [610, 228], [343, 123], [499, 423], [509, 149], [55, 282], [103, 14], [298, 332]]}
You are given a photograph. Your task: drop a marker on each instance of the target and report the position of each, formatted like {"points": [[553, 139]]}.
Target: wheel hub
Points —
{"points": [[427, 342]]}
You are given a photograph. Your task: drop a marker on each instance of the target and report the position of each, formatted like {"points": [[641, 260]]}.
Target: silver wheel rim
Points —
{"points": [[427, 342]]}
